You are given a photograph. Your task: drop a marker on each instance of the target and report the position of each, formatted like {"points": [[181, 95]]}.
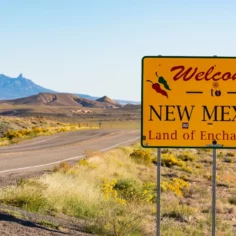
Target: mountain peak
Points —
{"points": [[108, 100], [20, 76], [105, 99], [12, 88]]}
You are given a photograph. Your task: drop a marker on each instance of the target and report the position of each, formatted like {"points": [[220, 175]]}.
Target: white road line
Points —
{"points": [[67, 159], [42, 141]]}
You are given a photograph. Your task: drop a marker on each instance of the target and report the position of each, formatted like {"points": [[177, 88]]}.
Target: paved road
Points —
{"points": [[47, 151]]}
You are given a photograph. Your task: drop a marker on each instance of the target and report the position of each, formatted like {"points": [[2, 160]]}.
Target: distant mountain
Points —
{"points": [[61, 99], [124, 102], [121, 102], [11, 88], [20, 87], [87, 96], [44, 99], [108, 100]]}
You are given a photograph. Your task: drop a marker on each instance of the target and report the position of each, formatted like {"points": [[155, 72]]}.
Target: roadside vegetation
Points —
{"points": [[115, 192], [16, 129]]}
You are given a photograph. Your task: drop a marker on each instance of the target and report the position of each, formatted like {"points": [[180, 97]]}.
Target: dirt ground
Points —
{"points": [[15, 221]]}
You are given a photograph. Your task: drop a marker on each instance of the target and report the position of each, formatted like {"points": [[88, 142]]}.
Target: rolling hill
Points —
{"points": [[108, 100], [20, 87], [61, 99]]}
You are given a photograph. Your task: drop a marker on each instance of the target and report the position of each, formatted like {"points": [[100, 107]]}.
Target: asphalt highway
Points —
{"points": [[47, 151]]}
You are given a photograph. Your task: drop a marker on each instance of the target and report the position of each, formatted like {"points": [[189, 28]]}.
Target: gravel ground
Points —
{"points": [[15, 221]]}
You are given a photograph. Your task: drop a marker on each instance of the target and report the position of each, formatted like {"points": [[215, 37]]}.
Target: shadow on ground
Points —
{"points": [[9, 218]]}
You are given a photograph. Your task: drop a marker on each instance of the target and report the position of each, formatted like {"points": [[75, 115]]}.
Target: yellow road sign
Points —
{"points": [[189, 102]]}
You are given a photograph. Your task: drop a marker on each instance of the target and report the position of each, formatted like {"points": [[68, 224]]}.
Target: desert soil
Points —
{"points": [[17, 222]]}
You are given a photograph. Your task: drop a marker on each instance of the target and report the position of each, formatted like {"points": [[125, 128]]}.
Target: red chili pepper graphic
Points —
{"points": [[157, 88]]}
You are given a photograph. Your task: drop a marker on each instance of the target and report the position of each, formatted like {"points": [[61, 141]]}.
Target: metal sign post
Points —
{"points": [[214, 193], [158, 192]]}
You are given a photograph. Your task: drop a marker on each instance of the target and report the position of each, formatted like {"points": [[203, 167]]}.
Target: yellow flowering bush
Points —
{"points": [[83, 162], [175, 185], [11, 134], [142, 156], [110, 193], [187, 156], [132, 190], [170, 160], [149, 192], [129, 190]]}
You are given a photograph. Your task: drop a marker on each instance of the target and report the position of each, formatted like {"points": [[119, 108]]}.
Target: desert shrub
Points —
{"points": [[83, 162], [154, 160], [132, 190], [228, 159], [187, 169], [170, 160], [63, 167], [220, 155], [149, 192], [128, 189], [77, 207], [187, 156], [180, 212], [198, 166], [118, 221], [142, 156], [124, 190], [24, 132], [203, 152], [232, 200], [184, 177], [11, 134], [107, 187], [73, 127], [61, 129], [176, 185], [37, 129], [230, 154], [165, 150]]}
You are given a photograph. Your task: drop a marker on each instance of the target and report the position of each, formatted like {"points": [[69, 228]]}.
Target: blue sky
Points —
{"points": [[96, 46]]}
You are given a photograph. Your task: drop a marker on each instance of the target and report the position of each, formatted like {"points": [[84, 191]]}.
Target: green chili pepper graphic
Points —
{"points": [[161, 80]]}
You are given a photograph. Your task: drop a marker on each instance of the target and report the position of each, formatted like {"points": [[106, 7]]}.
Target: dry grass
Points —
{"points": [[15, 129], [190, 214], [115, 192], [107, 191]]}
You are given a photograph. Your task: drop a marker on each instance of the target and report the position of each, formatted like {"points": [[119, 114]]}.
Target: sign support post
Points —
{"points": [[214, 193], [158, 191]]}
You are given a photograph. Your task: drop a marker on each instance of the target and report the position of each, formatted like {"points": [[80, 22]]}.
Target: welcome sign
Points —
{"points": [[189, 102]]}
